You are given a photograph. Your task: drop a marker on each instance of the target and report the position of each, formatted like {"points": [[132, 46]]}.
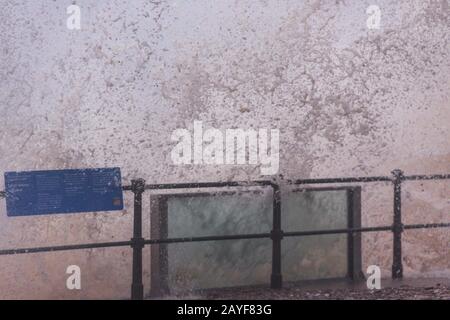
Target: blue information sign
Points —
{"points": [[63, 191]]}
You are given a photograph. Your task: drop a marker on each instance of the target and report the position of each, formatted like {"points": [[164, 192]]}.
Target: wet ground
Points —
{"points": [[412, 289]]}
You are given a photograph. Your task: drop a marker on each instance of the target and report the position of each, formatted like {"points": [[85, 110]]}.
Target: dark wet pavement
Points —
{"points": [[406, 289]]}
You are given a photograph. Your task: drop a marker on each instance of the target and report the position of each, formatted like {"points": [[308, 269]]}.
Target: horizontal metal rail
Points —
{"points": [[340, 180], [217, 238], [427, 177], [426, 226], [209, 238], [204, 185], [369, 179], [66, 247]]}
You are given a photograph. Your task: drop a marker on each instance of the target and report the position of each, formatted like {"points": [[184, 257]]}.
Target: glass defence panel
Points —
{"points": [[225, 263], [221, 214], [217, 264], [314, 257]]}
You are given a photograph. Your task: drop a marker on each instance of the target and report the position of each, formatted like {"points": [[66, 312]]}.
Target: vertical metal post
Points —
{"points": [[159, 284], [137, 242], [354, 264], [276, 279], [397, 227]]}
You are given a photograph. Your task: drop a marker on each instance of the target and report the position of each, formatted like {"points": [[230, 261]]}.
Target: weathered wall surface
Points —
{"points": [[347, 100]]}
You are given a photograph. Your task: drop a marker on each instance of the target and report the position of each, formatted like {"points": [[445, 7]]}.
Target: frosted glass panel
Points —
{"points": [[314, 257], [219, 263], [216, 264], [248, 262], [312, 210], [227, 214]]}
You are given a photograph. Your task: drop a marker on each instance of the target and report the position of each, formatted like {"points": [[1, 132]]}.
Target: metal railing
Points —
{"points": [[137, 242]]}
